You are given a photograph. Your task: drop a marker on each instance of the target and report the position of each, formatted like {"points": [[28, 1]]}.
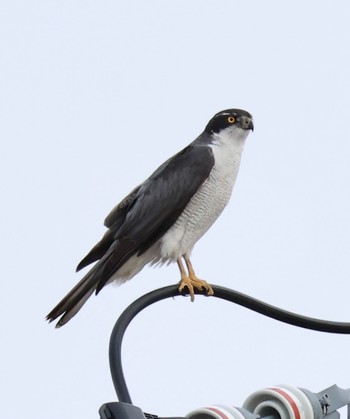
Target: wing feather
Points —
{"points": [[158, 203], [113, 221]]}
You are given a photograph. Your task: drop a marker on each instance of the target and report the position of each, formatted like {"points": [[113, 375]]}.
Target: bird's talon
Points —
{"points": [[186, 283], [194, 283]]}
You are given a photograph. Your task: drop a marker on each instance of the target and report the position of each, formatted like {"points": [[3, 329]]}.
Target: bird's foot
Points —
{"points": [[194, 283]]}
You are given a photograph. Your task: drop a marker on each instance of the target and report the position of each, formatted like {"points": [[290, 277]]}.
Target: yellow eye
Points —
{"points": [[231, 119]]}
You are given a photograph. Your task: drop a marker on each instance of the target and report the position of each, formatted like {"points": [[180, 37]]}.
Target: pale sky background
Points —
{"points": [[94, 95]]}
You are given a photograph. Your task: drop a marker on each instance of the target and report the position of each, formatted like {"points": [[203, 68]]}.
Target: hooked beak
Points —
{"points": [[246, 123]]}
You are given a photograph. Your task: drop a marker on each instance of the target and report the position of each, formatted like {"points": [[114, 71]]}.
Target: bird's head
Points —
{"points": [[230, 119]]}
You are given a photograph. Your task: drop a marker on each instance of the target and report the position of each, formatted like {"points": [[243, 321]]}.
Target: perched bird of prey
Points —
{"points": [[161, 219]]}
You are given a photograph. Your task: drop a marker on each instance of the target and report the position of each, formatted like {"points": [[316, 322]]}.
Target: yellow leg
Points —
{"points": [[190, 280], [185, 280]]}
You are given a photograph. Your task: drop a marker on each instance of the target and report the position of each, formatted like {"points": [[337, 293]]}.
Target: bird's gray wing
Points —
{"points": [[156, 206], [152, 207]]}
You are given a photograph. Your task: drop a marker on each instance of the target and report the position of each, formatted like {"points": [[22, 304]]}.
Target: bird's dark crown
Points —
{"points": [[227, 118]]}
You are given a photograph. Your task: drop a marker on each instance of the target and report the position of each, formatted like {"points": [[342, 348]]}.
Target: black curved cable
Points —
{"points": [[219, 292]]}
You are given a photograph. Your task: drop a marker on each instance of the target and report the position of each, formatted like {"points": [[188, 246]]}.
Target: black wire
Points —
{"points": [[219, 292]]}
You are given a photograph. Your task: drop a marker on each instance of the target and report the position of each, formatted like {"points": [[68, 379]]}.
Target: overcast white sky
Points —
{"points": [[94, 95]]}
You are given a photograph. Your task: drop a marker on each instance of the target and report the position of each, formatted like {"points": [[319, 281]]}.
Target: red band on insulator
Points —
{"points": [[221, 414], [290, 401]]}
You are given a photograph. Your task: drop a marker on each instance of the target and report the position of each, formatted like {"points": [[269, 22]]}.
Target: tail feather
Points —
{"points": [[73, 301], [74, 309], [98, 276], [77, 297]]}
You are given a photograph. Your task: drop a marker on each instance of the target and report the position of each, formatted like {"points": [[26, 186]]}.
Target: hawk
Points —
{"points": [[161, 220]]}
